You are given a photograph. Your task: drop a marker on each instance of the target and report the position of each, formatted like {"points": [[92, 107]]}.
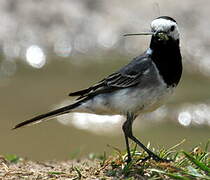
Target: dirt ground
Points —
{"points": [[88, 169], [26, 169]]}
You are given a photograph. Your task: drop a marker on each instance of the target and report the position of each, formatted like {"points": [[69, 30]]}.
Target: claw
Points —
{"points": [[145, 159], [156, 158]]}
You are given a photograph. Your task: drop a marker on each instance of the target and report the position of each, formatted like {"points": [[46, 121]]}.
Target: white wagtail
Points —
{"points": [[140, 86]]}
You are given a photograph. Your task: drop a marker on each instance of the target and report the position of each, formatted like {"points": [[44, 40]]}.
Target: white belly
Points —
{"points": [[140, 101], [136, 100]]}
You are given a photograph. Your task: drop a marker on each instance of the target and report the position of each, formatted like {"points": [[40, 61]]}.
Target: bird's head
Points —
{"points": [[163, 29]]}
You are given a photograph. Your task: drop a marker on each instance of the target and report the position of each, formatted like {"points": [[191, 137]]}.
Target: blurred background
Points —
{"points": [[49, 48]]}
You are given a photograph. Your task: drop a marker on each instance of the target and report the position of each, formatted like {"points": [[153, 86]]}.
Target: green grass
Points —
{"points": [[12, 158], [183, 165], [194, 164]]}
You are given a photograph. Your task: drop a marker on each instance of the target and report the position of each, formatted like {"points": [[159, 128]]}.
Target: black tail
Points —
{"points": [[48, 115]]}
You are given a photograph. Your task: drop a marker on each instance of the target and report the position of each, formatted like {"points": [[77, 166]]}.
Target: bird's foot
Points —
{"points": [[156, 158]]}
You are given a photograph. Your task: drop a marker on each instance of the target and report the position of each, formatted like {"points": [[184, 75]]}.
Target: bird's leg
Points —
{"points": [[127, 128], [150, 153], [127, 124]]}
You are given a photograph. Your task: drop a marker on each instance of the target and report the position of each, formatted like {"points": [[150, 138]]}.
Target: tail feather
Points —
{"points": [[81, 92], [51, 114]]}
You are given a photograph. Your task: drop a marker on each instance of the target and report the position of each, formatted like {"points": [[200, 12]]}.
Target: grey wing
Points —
{"points": [[128, 76]]}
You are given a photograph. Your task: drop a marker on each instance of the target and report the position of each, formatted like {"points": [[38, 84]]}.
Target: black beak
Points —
{"points": [[137, 34]]}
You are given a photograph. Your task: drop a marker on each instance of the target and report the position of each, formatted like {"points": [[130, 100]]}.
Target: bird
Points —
{"points": [[141, 86]]}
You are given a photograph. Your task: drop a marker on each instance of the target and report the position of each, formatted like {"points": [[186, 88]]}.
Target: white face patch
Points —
{"points": [[165, 25]]}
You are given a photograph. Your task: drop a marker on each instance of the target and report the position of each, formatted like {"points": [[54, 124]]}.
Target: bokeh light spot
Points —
{"points": [[185, 118], [35, 56]]}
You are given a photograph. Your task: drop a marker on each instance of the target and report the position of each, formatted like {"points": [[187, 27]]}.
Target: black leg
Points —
{"points": [[127, 129], [150, 153], [128, 150]]}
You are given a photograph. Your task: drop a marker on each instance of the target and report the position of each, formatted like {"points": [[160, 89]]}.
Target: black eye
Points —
{"points": [[172, 28]]}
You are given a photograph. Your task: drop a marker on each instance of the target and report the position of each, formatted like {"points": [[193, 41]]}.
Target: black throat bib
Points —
{"points": [[167, 57]]}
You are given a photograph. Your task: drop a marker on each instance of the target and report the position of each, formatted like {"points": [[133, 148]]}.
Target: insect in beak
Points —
{"points": [[162, 36]]}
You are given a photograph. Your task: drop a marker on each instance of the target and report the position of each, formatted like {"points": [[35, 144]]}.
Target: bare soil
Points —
{"points": [[26, 169]]}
